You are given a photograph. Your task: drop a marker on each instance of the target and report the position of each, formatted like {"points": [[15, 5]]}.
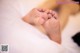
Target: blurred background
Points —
{"points": [[68, 11]]}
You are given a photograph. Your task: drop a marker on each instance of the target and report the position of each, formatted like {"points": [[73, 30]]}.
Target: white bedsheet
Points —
{"points": [[22, 37], [73, 27]]}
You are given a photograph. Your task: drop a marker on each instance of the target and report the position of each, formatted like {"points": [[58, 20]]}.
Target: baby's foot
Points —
{"points": [[52, 27]]}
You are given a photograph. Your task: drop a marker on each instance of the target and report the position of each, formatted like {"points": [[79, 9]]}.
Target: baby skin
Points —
{"points": [[47, 21]]}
